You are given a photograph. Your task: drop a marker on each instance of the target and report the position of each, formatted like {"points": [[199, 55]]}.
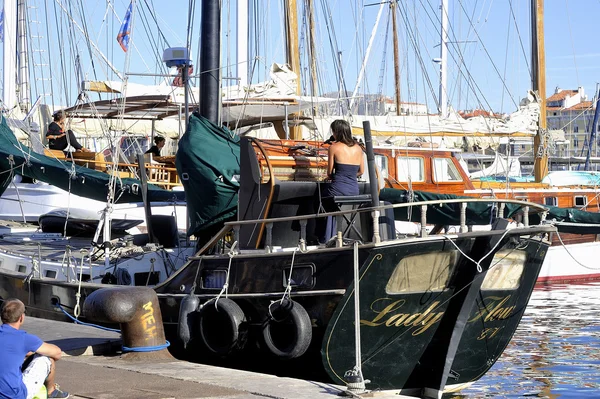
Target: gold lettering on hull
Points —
{"points": [[388, 313], [494, 309], [391, 316]]}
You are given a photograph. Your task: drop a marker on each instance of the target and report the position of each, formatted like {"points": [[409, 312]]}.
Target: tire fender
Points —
{"points": [[222, 326], [287, 331]]}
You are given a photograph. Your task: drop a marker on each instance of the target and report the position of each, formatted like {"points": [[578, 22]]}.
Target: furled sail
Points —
{"points": [[208, 164]]}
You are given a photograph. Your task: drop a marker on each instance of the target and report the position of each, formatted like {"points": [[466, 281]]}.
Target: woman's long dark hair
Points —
{"points": [[343, 132], [58, 115]]}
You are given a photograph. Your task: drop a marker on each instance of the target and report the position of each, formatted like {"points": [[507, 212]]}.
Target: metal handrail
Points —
{"points": [[525, 204]]}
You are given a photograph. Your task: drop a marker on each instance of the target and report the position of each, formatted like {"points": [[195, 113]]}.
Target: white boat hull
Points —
{"points": [[27, 201], [571, 263]]}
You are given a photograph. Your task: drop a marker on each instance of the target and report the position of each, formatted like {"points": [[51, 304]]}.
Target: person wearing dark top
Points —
{"points": [[345, 164], [16, 345], [58, 138], [159, 143], [345, 161]]}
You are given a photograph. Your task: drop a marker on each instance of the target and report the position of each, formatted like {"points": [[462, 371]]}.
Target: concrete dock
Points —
{"points": [[91, 368]]}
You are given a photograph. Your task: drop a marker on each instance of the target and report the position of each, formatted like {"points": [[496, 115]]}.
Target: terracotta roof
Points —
{"points": [[561, 95], [581, 106], [476, 112], [553, 108]]}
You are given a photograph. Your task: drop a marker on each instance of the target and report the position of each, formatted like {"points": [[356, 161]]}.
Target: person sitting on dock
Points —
{"points": [[20, 380], [58, 138]]}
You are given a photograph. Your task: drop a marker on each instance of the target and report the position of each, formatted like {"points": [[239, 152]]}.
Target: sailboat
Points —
{"points": [[446, 305], [405, 166]]}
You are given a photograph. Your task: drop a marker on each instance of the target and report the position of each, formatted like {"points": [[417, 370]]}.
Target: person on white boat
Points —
{"points": [[60, 138], [16, 345]]}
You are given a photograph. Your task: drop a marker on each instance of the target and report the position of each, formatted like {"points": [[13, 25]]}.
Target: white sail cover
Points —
{"points": [[508, 166]]}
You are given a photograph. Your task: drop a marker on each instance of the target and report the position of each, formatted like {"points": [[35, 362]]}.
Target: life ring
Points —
{"points": [[221, 326], [287, 332]]}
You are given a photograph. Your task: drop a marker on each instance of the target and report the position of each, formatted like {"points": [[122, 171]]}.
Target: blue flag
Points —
{"points": [[123, 36]]}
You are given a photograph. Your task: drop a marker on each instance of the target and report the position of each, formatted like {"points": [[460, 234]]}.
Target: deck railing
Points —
{"points": [[499, 205]]}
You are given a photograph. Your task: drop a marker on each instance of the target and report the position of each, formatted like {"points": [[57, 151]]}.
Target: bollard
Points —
{"points": [[137, 310]]}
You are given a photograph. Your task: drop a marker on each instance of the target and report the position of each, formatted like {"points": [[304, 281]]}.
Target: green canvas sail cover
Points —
{"points": [[16, 158], [477, 213], [571, 220], [208, 164], [567, 220]]}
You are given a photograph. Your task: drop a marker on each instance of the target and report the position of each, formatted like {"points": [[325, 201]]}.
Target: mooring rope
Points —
{"points": [[232, 253], [124, 348], [571, 255]]}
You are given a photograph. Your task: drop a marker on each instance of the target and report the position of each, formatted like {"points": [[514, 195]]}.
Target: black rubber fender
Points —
{"points": [[187, 309], [222, 327], [287, 332]]}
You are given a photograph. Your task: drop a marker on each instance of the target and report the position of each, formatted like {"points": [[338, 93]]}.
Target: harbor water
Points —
{"points": [[555, 352]]}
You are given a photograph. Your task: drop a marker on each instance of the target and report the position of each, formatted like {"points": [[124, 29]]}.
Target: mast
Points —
{"points": [[293, 53], [9, 93], [23, 73], [444, 59], [210, 59], [396, 57], [538, 66], [242, 42], [313, 56]]}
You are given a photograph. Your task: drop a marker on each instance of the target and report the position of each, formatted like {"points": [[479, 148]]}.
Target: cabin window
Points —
{"points": [[423, 272], [50, 274], [410, 168], [445, 171], [580, 201], [382, 164], [214, 279], [146, 278], [551, 201], [22, 268], [505, 271], [302, 276]]}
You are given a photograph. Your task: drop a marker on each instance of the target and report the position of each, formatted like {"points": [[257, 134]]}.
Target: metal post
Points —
{"points": [[185, 78], [354, 378], [373, 183]]}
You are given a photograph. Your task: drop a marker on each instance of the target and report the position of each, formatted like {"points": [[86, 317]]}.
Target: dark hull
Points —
{"points": [[466, 329]]}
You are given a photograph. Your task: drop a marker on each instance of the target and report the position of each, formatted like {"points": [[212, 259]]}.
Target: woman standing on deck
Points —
{"points": [[345, 160]]}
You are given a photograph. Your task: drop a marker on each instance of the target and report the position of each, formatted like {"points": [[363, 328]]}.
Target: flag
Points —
{"points": [[2, 25], [123, 36]]}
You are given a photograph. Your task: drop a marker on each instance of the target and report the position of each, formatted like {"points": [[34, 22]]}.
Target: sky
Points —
{"points": [[488, 53]]}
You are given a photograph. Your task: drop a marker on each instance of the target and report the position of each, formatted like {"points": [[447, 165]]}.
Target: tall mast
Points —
{"points": [[9, 88], [538, 66], [23, 73], [293, 53], [210, 60], [313, 56], [396, 57], [444, 59], [242, 42]]}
